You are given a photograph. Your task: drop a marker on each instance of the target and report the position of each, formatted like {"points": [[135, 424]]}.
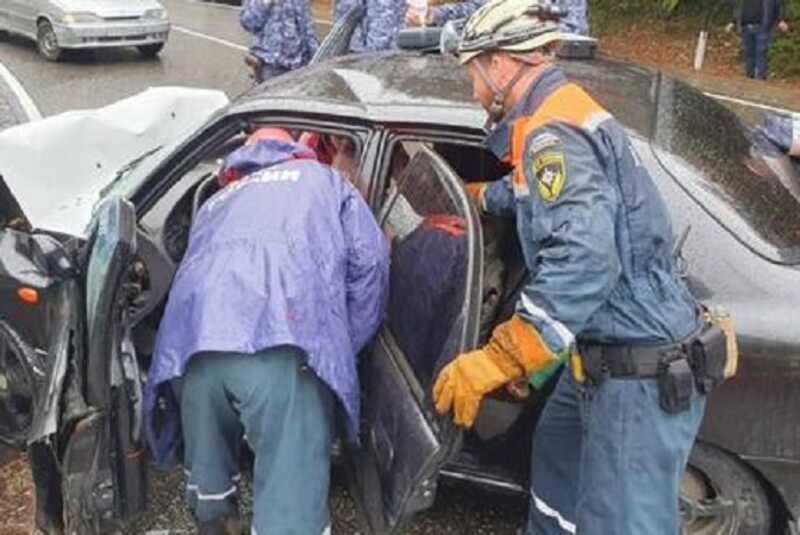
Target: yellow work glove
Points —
{"points": [[515, 350]]}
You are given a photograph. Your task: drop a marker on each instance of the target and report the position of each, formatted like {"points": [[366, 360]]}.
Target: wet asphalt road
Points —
{"points": [[205, 49]]}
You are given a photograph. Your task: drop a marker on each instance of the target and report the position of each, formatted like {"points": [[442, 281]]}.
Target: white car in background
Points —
{"points": [[61, 24]]}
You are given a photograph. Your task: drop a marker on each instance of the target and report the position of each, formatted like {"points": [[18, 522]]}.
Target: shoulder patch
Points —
{"points": [[550, 170]]}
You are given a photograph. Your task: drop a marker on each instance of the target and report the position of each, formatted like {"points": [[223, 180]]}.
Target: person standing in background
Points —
{"points": [[283, 36], [756, 20]]}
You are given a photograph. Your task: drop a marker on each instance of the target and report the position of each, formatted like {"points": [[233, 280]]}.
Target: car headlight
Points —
{"points": [[156, 14], [78, 18]]}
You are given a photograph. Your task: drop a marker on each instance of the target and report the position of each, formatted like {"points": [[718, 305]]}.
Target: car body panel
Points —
{"points": [[104, 457], [58, 168], [389, 87], [116, 24]]}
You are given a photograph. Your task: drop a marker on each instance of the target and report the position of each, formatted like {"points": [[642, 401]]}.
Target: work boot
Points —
{"points": [[224, 525]]}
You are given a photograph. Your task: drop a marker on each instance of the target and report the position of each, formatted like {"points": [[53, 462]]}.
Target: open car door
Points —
{"points": [[104, 463], [433, 315]]}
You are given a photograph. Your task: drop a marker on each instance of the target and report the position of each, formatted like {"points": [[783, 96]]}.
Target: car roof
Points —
{"points": [[412, 87], [383, 87]]}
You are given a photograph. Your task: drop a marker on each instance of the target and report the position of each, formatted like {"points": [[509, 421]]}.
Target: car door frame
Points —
{"points": [[103, 468], [385, 364]]}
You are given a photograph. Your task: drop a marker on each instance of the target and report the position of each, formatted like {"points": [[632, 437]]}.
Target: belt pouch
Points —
{"points": [[675, 384], [707, 353]]}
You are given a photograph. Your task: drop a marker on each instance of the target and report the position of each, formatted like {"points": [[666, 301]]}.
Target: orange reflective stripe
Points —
{"points": [[568, 104]]}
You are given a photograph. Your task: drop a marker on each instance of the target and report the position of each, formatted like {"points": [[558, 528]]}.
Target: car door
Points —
{"points": [[104, 468], [433, 315]]}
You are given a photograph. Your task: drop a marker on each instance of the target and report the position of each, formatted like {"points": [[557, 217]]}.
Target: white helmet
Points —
{"points": [[510, 25]]}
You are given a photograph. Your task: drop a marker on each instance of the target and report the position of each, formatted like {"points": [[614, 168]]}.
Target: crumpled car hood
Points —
{"points": [[57, 167]]}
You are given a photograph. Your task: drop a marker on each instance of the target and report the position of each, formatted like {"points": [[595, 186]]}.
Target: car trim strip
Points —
{"points": [[546, 510], [534, 310]]}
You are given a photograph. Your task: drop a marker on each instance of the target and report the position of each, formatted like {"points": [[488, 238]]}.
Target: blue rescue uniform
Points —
{"points": [[575, 22], [283, 33], [597, 240], [284, 281], [381, 24]]}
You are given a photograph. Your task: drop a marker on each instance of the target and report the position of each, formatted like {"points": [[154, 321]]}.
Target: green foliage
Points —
{"points": [[784, 54], [690, 15]]}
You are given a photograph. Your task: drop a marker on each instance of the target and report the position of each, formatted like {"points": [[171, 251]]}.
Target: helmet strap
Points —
{"points": [[497, 107]]}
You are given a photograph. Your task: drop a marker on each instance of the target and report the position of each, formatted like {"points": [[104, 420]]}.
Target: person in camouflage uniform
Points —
{"points": [[575, 21], [380, 27], [283, 34]]}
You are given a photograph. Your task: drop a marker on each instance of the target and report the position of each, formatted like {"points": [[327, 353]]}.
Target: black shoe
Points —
{"points": [[224, 525]]}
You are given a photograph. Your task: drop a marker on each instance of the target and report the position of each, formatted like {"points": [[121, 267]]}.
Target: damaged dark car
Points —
{"points": [[81, 299]]}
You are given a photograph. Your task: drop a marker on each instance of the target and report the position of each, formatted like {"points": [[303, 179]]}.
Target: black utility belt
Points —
{"points": [[696, 362]]}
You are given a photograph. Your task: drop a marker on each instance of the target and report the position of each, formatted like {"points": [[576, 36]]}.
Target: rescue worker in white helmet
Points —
{"points": [[603, 295]]}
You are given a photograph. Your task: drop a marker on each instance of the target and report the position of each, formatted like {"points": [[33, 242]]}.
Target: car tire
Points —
{"points": [[720, 495], [150, 51], [47, 42]]}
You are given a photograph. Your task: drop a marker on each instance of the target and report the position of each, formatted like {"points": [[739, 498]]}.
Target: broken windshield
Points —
{"points": [[119, 185]]}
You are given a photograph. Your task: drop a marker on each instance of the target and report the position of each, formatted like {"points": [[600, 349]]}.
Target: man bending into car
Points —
{"points": [[284, 281]]}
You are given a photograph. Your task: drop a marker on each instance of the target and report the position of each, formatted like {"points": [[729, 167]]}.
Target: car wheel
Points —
{"points": [[720, 495], [16, 387], [150, 51], [47, 42]]}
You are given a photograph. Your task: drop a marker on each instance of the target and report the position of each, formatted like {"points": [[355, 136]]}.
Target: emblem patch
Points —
{"points": [[550, 171]]}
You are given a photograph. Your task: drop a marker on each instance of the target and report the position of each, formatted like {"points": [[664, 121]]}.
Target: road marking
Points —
{"points": [[24, 99], [748, 103], [217, 40]]}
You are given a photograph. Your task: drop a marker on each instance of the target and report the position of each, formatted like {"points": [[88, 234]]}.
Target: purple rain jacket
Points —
{"points": [[290, 254]]}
